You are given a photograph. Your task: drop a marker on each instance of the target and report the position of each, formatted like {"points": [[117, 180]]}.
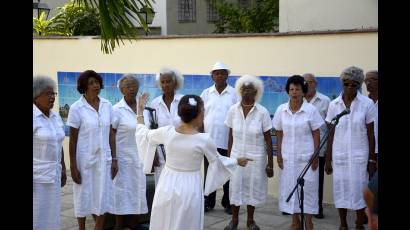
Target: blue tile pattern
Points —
{"points": [[274, 88]]}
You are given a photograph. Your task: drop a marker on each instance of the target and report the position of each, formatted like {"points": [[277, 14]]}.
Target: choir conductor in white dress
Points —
{"points": [[179, 196]]}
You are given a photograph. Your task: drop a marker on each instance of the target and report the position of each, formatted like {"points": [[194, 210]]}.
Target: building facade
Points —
{"points": [[324, 15]]}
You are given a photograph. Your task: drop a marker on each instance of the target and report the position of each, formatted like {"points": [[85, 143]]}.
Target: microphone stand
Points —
{"points": [[154, 125], [300, 180]]}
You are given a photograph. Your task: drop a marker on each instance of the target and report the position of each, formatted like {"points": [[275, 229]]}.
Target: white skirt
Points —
{"points": [[249, 185], [94, 194], [288, 177], [178, 201], [47, 204], [349, 182], [129, 189]]}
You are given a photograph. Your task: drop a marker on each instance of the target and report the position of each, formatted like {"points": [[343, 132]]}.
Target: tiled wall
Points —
{"points": [[274, 88]]}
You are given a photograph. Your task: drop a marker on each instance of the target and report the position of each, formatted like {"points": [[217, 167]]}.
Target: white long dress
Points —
{"points": [[165, 117], [129, 189], [249, 185], [48, 135], [350, 151], [297, 148], [94, 194], [179, 196]]}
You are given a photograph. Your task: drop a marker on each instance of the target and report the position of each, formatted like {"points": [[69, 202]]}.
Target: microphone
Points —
{"points": [[149, 109], [344, 112]]}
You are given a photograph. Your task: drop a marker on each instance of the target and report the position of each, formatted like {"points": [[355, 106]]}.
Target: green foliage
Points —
{"points": [[262, 16], [115, 19], [44, 27], [76, 20], [72, 20]]}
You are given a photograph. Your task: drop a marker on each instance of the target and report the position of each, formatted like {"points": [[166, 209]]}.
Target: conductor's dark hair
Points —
{"points": [[189, 107], [82, 81], [297, 80]]}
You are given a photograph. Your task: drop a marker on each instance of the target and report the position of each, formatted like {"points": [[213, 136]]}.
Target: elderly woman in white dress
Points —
{"points": [[350, 147], [297, 124], [249, 136], [48, 156], [93, 161], [166, 108], [179, 196], [130, 184]]}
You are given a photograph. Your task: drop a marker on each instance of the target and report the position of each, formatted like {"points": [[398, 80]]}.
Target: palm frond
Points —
{"points": [[115, 19]]}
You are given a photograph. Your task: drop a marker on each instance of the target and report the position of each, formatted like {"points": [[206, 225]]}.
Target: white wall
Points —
{"points": [[321, 54], [160, 19], [310, 15]]}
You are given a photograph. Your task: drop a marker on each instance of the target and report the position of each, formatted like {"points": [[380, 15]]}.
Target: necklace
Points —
{"points": [[247, 105]]}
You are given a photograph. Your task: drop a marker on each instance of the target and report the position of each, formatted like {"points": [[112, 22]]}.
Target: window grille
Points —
{"points": [[186, 11]]}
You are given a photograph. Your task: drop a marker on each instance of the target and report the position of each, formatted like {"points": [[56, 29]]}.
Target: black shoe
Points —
{"points": [[320, 216], [207, 208], [285, 213], [228, 211]]}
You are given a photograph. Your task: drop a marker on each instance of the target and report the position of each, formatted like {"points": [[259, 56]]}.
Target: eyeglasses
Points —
{"points": [[354, 85]]}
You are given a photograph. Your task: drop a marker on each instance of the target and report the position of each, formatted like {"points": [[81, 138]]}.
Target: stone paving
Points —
{"points": [[267, 217]]}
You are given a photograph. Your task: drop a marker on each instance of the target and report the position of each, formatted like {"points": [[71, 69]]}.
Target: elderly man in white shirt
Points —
{"points": [[372, 85], [321, 102], [217, 101]]}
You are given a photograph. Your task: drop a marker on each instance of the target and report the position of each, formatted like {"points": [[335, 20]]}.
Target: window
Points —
{"points": [[212, 13], [186, 11]]}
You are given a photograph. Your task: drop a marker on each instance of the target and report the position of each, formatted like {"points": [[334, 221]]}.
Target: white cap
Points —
{"points": [[220, 65]]}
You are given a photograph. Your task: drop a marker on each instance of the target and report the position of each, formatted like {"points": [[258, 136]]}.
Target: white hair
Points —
{"points": [[352, 73], [128, 76], [176, 76], [41, 83], [249, 79]]}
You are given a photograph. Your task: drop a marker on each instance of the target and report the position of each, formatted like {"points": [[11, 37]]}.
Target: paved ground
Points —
{"points": [[267, 217]]}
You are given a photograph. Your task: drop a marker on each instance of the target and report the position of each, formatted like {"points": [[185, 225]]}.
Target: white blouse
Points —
{"points": [[247, 133], [351, 132], [321, 102], [297, 130], [94, 128], [165, 117], [185, 154], [125, 125], [48, 135]]}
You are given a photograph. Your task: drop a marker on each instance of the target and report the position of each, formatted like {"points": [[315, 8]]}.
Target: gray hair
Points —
{"points": [[127, 76], [352, 73], [41, 83], [310, 75], [176, 76], [249, 79]]}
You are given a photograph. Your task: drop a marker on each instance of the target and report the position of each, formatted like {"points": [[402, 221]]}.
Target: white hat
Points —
{"points": [[220, 65]]}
